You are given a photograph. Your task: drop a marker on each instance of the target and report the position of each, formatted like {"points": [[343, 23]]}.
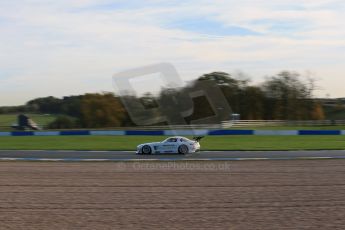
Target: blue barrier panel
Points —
{"points": [[231, 132], [22, 133], [107, 133], [47, 133], [276, 132], [4, 134], [148, 133], [75, 133], [174, 132], [319, 132]]}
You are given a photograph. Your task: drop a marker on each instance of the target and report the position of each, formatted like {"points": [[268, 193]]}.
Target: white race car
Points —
{"points": [[181, 145]]}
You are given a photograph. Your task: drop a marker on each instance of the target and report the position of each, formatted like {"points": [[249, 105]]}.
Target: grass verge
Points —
{"points": [[208, 143]]}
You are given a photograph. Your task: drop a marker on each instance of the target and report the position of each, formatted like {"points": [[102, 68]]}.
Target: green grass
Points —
{"points": [[208, 143], [6, 120]]}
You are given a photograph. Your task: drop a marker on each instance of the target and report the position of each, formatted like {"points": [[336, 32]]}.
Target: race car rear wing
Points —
{"points": [[198, 138]]}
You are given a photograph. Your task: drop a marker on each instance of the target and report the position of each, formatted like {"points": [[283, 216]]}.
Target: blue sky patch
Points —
{"points": [[283, 27], [126, 5], [210, 27]]}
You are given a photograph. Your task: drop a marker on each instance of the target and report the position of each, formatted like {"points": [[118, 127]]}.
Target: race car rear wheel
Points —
{"points": [[146, 149], [183, 149]]}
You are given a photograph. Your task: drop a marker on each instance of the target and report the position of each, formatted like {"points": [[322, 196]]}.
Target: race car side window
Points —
{"points": [[183, 140], [172, 140]]}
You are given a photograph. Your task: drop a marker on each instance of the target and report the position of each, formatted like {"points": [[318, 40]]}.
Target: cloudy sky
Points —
{"points": [[70, 47]]}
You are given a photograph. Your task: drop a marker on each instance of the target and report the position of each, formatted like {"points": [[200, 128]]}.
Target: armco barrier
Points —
{"points": [[174, 132]]}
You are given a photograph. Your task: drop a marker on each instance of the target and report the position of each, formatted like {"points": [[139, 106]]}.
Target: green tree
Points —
{"points": [[71, 105], [63, 122], [232, 88], [46, 104], [252, 103], [101, 110], [287, 97], [318, 112]]}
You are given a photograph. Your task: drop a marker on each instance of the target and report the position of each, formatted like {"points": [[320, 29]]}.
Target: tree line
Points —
{"points": [[284, 96]]}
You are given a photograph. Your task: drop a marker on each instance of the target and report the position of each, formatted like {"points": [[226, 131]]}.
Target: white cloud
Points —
{"points": [[69, 47]]}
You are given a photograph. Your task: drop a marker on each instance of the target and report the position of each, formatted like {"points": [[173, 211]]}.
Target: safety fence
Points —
{"points": [[272, 123], [241, 124]]}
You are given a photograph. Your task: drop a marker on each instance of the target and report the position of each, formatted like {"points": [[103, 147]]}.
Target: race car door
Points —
{"points": [[169, 146]]}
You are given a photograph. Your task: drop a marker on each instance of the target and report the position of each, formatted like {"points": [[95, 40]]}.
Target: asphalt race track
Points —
{"points": [[38, 155]]}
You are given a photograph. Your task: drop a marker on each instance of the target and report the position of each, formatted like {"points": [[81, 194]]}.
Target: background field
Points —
{"points": [[208, 143], [6, 120]]}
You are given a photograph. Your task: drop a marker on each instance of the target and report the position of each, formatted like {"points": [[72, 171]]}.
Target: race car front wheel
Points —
{"points": [[183, 149], [146, 149]]}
